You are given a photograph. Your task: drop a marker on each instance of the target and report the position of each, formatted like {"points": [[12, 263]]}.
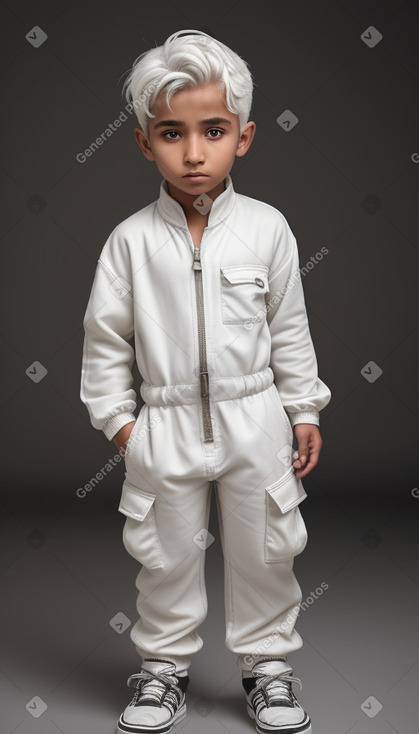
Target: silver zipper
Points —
{"points": [[203, 368]]}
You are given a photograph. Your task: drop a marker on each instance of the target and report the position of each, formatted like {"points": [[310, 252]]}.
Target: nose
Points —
{"points": [[194, 150]]}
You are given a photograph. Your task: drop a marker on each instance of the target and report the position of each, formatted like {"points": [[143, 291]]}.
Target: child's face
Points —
{"points": [[199, 134]]}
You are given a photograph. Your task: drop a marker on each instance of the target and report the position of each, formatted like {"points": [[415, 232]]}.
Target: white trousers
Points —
{"points": [[166, 497]]}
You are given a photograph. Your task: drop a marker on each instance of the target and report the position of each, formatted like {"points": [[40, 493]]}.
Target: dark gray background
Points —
{"points": [[346, 178]]}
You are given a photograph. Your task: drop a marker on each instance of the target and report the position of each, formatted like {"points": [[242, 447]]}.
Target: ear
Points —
{"points": [[246, 138], [142, 141]]}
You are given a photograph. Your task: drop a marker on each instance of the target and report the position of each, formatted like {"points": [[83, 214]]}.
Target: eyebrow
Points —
{"points": [[179, 123]]}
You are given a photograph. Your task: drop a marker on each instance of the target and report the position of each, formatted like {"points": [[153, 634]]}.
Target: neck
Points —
{"points": [[187, 200]]}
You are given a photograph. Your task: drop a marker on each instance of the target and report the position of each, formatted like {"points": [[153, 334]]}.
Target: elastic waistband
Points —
{"points": [[220, 388]]}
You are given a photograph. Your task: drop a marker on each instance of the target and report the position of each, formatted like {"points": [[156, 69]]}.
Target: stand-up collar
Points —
{"points": [[171, 210]]}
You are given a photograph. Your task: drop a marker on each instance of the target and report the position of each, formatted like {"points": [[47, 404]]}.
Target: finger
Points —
{"points": [[297, 464], [303, 451], [312, 462]]}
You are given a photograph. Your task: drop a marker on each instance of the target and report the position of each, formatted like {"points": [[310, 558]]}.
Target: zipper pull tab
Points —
{"points": [[203, 379], [197, 259]]}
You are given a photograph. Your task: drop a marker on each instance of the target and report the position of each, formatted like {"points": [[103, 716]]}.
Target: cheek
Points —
{"points": [[164, 152]]}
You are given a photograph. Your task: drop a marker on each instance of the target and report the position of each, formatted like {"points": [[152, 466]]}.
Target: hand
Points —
{"points": [[121, 438], [309, 447]]}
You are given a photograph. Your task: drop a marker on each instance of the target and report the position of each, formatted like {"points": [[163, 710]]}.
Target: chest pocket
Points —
{"points": [[243, 289]]}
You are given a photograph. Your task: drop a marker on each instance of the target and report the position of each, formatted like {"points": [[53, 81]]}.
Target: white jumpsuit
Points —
{"points": [[222, 342]]}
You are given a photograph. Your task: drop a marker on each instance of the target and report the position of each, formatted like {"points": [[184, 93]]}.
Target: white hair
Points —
{"points": [[186, 59]]}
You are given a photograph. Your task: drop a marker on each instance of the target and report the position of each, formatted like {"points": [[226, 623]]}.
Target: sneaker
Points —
{"points": [[270, 700], [159, 700]]}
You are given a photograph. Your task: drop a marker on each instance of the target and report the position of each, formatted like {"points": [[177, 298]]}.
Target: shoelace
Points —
{"points": [[153, 685], [277, 687]]}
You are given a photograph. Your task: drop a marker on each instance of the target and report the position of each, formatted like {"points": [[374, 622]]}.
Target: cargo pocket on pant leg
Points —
{"points": [[285, 530], [140, 536]]}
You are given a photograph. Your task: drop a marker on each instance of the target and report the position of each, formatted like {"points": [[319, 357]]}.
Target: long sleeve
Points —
{"points": [[106, 375], [293, 361]]}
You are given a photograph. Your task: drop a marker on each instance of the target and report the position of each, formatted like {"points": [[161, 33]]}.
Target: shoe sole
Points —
{"points": [[297, 729], [163, 728]]}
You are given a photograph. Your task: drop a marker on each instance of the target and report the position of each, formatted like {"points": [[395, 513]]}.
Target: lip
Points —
{"points": [[195, 175]]}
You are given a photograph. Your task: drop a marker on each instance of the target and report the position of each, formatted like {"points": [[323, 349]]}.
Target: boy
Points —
{"points": [[202, 287]]}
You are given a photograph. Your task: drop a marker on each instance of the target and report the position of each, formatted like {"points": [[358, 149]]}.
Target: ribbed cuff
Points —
{"points": [[111, 427], [182, 662], [304, 417], [246, 662]]}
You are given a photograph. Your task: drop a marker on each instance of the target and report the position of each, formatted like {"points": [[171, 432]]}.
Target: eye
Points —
{"points": [[169, 133], [217, 131]]}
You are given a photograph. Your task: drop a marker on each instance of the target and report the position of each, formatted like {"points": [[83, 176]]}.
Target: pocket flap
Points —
{"points": [[134, 502], [247, 274], [288, 491]]}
